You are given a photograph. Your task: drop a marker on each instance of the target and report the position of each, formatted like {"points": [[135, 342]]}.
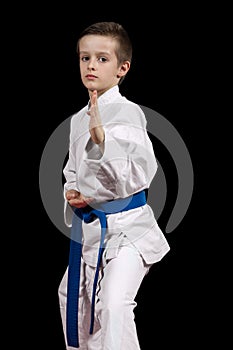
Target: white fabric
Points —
{"points": [[114, 327], [124, 165]]}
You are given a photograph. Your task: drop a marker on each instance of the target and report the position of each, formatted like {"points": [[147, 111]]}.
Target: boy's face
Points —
{"points": [[98, 63]]}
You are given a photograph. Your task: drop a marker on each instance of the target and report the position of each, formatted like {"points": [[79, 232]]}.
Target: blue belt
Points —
{"points": [[88, 214]]}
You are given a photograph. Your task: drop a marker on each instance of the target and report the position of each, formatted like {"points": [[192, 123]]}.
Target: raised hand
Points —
{"points": [[95, 124]]}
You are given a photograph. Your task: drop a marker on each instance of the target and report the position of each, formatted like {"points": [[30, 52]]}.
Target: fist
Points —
{"points": [[76, 199]]}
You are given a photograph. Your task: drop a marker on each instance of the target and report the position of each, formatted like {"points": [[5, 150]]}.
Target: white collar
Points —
{"points": [[108, 96]]}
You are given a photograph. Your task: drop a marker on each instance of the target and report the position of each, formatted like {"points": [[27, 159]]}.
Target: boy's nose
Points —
{"points": [[91, 65]]}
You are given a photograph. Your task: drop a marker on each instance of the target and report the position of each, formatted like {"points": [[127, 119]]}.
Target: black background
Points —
{"points": [[167, 76]]}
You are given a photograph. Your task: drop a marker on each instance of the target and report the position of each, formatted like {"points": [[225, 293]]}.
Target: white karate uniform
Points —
{"points": [[124, 165]]}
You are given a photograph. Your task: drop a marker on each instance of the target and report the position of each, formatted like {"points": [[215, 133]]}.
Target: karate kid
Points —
{"points": [[110, 166]]}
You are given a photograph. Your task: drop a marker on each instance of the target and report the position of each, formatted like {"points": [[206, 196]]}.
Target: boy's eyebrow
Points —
{"points": [[98, 53]]}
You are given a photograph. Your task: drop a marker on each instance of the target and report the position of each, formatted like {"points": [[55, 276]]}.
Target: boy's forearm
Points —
{"points": [[97, 134]]}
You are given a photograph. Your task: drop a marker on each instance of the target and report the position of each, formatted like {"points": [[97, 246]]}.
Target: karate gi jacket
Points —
{"points": [[123, 165]]}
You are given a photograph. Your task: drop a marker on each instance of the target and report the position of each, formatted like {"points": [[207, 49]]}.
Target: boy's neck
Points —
{"points": [[101, 92]]}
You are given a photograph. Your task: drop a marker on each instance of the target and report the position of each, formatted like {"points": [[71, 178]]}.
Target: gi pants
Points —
{"points": [[119, 281]]}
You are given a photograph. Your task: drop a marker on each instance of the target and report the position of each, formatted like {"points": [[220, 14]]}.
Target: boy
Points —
{"points": [[111, 164]]}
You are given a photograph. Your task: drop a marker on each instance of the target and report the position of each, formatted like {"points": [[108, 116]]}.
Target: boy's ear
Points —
{"points": [[123, 69]]}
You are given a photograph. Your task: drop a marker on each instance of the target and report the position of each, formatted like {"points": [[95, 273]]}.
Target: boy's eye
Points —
{"points": [[87, 58], [102, 59], [84, 58]]}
